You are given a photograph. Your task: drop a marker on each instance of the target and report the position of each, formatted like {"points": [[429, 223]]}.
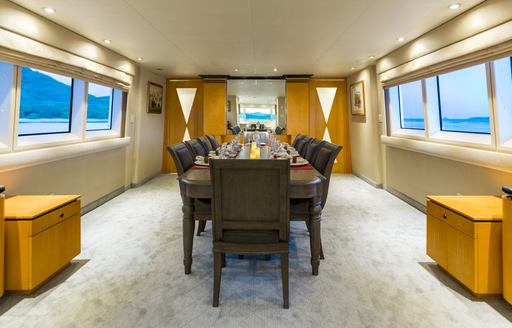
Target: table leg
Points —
{"points": [[315, 213], [188, 232]]}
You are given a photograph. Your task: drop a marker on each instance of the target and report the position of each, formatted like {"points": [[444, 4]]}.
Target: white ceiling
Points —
{"points": [[191, 37]]}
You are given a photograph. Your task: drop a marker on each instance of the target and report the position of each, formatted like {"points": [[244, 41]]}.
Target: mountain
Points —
{"points": [[44, 97]]}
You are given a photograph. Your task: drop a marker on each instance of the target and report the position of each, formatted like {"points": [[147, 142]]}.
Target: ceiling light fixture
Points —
{"points": [[400, 39], [454, 6], [107, 41], [371, 57], [49, 10], [352, 68], [140, 58], [235, 69], [275, 69]]}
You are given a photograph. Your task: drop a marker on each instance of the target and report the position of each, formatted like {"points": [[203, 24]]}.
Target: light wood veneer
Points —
{"points": [[464, 238], [42, 236]]}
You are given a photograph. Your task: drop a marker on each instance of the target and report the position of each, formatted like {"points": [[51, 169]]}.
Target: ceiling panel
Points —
{"points": [[191, 37]]}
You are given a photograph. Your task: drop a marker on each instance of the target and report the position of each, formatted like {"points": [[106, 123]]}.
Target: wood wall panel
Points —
{"points": [[214, 113], [337, 122], [175, 124], [297, 107]]}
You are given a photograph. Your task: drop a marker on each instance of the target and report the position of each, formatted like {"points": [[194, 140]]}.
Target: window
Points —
{"points": [[257, 114], [45, 102], [99, 107], [463, 100], [411, 106]]}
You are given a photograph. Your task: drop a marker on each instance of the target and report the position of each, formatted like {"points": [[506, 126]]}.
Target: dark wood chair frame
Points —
{"points": [[253, 229]]}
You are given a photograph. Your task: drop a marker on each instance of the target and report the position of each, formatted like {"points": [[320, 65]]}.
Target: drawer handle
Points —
{"points": [[61, 215], [444, 216]]}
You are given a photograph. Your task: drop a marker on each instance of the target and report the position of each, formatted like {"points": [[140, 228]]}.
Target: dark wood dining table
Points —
{"points": [[305, 183]]}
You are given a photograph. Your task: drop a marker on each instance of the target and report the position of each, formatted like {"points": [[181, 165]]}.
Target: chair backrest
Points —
{"points": [[196, 148], [182, 157], [205, 143], [250, 196], [236, 129], [303, 146], [298, 138], [279, 130], [324, 162], [215, 144], [313, 148]]}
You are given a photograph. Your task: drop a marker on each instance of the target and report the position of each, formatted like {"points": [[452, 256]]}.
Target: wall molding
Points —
{"points": [[420, 207], [368, 180], [102, 200], [22, 159], [484, 158]]}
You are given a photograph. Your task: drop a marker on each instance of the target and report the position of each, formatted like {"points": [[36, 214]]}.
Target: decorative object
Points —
{"points": [[357, 100], [155, 98]]}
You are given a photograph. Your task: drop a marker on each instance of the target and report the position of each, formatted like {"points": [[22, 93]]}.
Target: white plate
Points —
{"points": [[300, 162], [200, 163]]}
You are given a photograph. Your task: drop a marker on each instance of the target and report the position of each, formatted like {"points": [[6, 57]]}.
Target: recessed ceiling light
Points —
{"points": [[400, 39], [275, 69], [454, 6], [140, 58], [107, 41], [352, 68], [371, 57], [235, 69], [49, 10]]}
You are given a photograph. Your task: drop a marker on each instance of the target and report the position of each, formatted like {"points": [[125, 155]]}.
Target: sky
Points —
{"points": [[94, 89]]}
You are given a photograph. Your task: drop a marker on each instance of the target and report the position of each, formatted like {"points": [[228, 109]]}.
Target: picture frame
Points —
{"points": [[357, 99], [155, 98]]}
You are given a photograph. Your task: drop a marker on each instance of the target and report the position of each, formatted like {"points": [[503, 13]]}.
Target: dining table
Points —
{"points": [[305, 183]]}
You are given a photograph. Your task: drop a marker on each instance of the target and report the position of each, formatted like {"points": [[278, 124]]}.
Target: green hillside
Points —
{"points": [[45, 97]]}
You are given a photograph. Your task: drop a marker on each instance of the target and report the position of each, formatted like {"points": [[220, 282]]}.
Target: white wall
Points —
{"points": [[365, 130], [149, 134]]}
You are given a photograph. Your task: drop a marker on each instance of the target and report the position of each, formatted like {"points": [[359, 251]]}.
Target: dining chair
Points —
{"points": [[312, 151], [297, 139], [241, 224], [215, 144], [196, 148], [323, 163], [303, 146], [279, 130], [184, 160], [203, 140]]}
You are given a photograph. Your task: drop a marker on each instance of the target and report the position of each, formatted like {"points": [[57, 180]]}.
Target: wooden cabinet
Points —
{"points": [[297, 106], [42, 236], [464, 238]]}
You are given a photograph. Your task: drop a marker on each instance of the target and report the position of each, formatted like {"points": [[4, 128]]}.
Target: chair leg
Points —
{"points": [[200, 227], [223, 260], [217, 272], [268, 257], [284, 276], [240, 256]]}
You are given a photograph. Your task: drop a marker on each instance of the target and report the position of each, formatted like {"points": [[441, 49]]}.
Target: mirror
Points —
{"points": [[256, 105]]}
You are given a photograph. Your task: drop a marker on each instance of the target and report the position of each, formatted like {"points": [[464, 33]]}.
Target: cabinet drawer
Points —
{"points": [[457, 221], [62, 213]]}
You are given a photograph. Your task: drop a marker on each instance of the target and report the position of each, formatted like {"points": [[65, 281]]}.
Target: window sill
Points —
{"points": [[21, 159], [464, 139], [45, 140], [101, 134], [490, 159], [409, 133]]}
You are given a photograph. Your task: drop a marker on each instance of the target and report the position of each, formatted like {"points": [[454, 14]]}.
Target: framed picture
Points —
{"points": [[357, 101], [155, 98]]}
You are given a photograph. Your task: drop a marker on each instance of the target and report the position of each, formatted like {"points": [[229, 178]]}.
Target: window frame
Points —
{"points": [[400, 109], [20, 78]]}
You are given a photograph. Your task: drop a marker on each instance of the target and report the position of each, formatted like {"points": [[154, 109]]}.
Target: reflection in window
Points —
{"points": [[411, 106], [99, 107], [463, 99], [45, 102]]}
